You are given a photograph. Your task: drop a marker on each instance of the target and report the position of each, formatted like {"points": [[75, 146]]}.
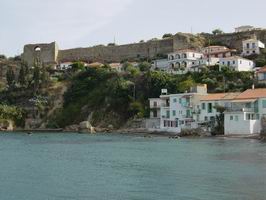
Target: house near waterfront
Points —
{"points": [[209, 104], [252, 46], [246, 113], [175, 111], [237, 63]]}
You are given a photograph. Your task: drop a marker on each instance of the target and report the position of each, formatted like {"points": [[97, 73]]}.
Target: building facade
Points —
{"points": [[252, 46], [246, 113], [183, 61], [237, 63]]}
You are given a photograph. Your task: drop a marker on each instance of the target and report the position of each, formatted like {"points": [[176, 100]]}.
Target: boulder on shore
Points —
{"points": [[86, 127]]}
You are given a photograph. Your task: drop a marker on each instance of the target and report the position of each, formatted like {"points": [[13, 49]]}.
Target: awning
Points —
{"points": [[244, 100]]}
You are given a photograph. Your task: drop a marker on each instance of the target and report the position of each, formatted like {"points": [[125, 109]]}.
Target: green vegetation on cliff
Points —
{"points": [[106, 97]]}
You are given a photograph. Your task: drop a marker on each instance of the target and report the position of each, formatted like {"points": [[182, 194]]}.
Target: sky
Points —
{"points": [[84, 23]]}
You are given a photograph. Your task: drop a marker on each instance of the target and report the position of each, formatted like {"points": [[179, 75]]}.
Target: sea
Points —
{"points": [[72, 166]]}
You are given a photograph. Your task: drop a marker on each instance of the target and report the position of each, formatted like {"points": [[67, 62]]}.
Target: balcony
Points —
{"points": [[252, 110]]}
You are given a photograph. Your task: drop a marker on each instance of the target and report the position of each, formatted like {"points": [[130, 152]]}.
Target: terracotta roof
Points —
{"points": [[262, 70], [236, 57], [219, 96], [186, 50], [95, 64], [115, 65], [252, 94]]}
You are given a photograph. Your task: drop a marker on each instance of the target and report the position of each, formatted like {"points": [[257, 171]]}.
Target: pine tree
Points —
{"points": [[22, 76], [10, 77]]}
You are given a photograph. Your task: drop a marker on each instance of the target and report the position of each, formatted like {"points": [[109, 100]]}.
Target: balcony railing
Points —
{"points": [[241, 110]]}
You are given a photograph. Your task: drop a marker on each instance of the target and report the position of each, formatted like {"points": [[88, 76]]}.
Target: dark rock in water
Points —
{"points": [[30, 133]]}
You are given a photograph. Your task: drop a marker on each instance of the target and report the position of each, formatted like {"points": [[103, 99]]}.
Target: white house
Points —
{"points": [[176, 110], [116, 66], [246, 113], [244, 28], [65, 65], [161, 64], [218, 52], [252, 46], [237, 63], [183, 61], [207, 109], [261, 75]]}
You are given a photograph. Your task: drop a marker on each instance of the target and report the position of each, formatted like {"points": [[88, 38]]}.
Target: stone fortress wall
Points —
{"points": [[50, 53]]}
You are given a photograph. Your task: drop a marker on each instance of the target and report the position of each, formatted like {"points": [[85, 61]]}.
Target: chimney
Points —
{"points": [[253, 87]]}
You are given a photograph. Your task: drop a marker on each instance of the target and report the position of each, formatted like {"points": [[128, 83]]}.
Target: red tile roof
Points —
{"points": [[219, 96], [252, 94], [262, 70]]}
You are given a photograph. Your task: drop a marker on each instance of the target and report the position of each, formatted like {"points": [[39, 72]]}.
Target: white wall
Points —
{"points": [[240, 126], [237, 64]]}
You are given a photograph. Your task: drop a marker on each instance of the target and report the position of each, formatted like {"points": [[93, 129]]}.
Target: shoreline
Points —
{"points": [[137, 132]]}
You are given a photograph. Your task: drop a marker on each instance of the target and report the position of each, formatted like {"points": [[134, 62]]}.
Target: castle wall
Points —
{"points": [[47, 53], [50, 53], [117, 53], [234, 40]]}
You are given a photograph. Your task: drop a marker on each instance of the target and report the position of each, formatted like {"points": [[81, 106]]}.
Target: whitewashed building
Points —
{"points": [[252, 46], [176, 110], [218, 52], [207, 110], [161, 65], [246, 113], [65, 65], [261, 75], [244, 28], [183, 61], [117, 67], [237, 63]]}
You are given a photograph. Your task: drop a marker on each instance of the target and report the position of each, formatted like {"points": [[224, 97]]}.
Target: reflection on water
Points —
{"points": [[72, 166]]}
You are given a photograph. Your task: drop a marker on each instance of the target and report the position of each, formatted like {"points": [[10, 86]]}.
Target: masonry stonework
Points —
{"points": [[50, 54]]}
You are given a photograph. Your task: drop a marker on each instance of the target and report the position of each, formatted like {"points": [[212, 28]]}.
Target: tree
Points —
{"points": [[22, 76], [144, 66], [217, 32], [167, 35], [3, 57], [10, 77], [218, 129], [36, 77], [44, 77], [77, 66]]}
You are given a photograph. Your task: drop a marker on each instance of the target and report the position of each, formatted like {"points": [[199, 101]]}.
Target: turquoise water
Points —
{"points": [[114, 167]]}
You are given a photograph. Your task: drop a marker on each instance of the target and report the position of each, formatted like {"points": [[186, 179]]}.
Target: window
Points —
{"points": [[253, 45], [231, 118], [168, 114], [247, 52], [240, 61], [236, 118], [203, 106], [209, 107], [206, 119], [174, 113], [234, 62], [154, 104], [180, 101], [155, 114], [264, 103], [175, 100], [247, 45], [254, 51]]}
